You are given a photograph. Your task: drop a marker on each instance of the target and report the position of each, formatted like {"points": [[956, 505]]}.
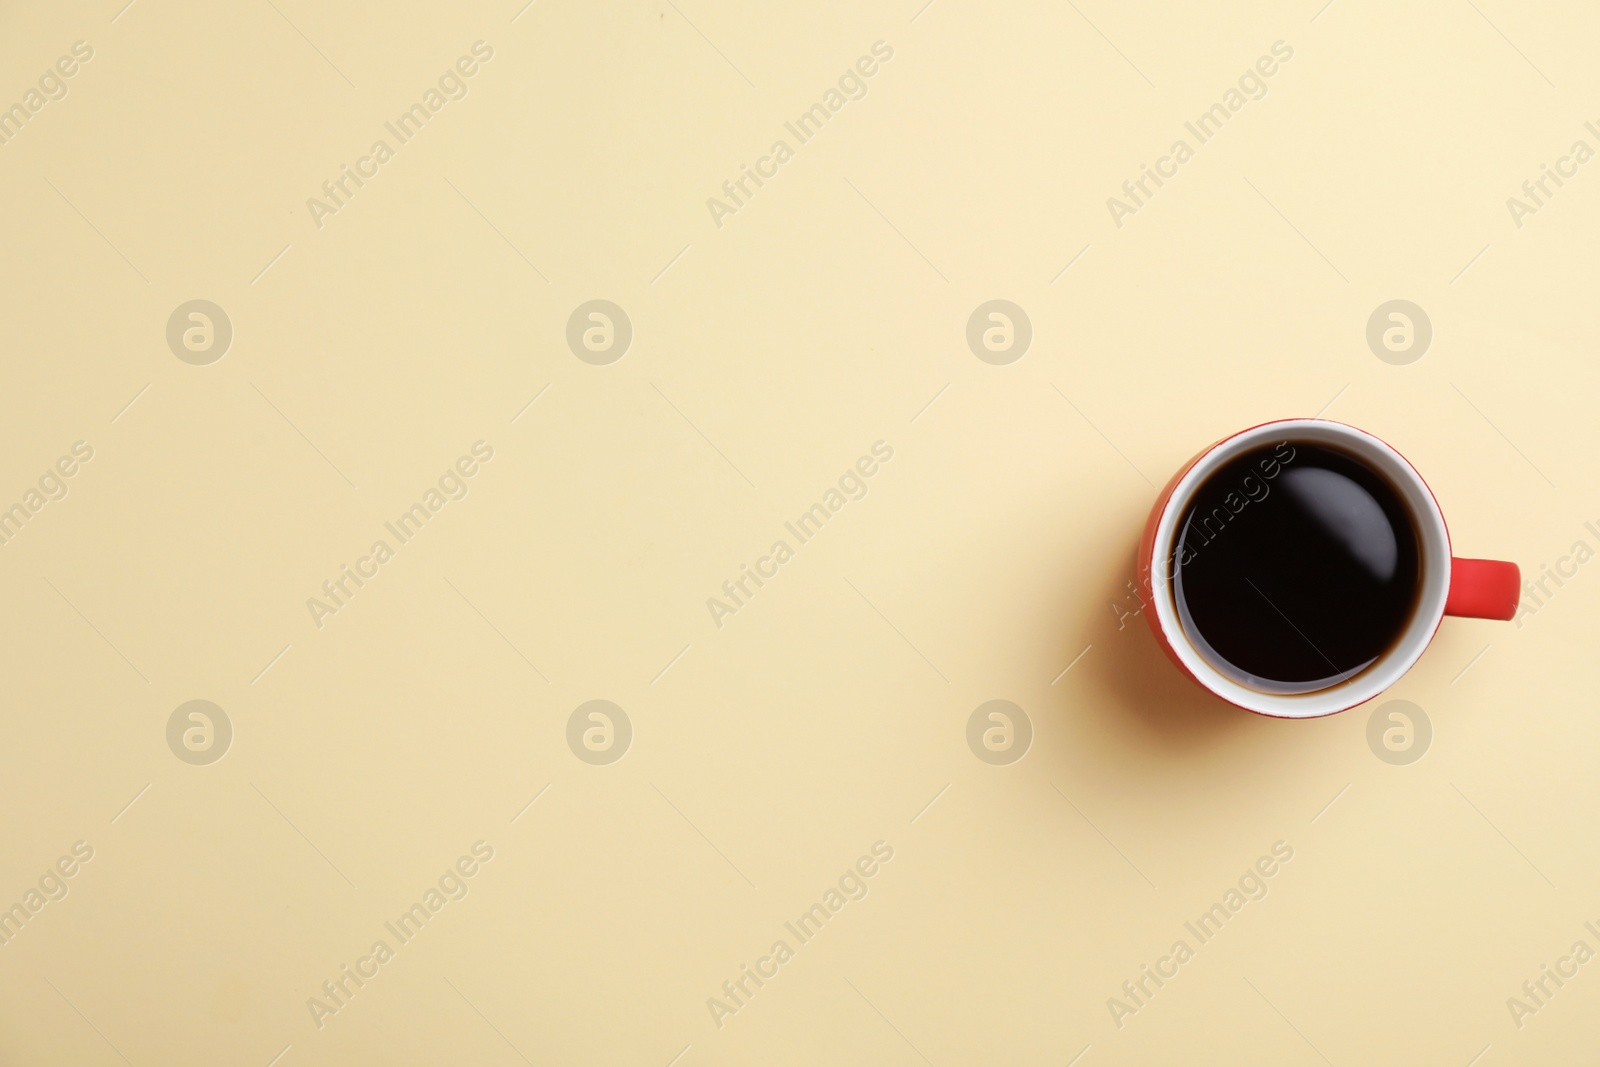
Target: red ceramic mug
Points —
{"points": [[1474, 588]]}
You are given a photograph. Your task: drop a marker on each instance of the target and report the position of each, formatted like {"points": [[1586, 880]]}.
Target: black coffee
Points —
{"points": [[1296, 567]]}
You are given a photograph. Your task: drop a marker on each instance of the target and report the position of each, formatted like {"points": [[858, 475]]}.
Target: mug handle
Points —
{"points": [[1483, 589]]}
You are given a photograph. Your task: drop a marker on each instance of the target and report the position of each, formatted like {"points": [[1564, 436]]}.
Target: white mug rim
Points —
{"points": [[1433, 534]]}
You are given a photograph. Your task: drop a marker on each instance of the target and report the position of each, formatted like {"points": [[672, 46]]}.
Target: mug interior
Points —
{"points": [[1433, 541]]}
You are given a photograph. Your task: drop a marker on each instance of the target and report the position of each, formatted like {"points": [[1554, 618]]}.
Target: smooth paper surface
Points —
{"points": [[602, 532]]}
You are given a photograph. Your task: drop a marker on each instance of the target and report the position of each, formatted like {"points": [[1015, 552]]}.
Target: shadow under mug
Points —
{"points": [[1474, 588]]}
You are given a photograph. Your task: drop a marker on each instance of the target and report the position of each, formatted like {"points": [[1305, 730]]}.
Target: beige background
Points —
{"points": [[768, 354]]}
